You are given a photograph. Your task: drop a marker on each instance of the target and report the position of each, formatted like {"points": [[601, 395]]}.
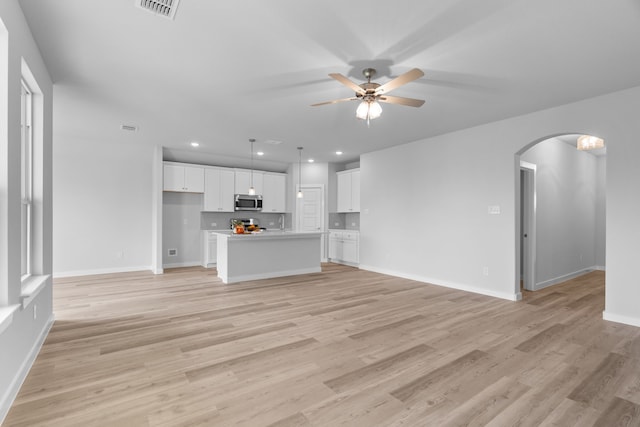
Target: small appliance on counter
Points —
{"points": [[247, 202], [244, 225]]}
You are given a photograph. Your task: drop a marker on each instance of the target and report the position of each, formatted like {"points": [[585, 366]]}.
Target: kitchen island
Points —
{"points": [[267, 254]]}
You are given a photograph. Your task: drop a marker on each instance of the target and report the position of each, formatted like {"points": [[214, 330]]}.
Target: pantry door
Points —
{"points": [[310, 212]]}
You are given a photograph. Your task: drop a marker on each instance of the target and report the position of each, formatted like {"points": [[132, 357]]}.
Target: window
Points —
{"points": [[26, 181]]}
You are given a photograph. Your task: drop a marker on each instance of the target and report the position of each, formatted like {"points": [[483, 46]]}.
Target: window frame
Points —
{"points": [[26, 181]]}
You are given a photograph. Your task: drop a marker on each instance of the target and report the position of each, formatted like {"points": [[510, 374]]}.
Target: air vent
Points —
{"points": [[164, 8], [272, 142], [129, 128]]}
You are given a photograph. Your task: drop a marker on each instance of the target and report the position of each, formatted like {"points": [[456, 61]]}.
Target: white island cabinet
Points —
{"points": [[243, 257]]}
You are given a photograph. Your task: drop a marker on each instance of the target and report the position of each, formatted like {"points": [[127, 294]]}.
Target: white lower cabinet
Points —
{"points": [[209, 248], [344, 247]]}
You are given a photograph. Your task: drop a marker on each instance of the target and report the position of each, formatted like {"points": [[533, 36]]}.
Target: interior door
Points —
{"points": [[310, 210], [310, 213], [528, 224]]}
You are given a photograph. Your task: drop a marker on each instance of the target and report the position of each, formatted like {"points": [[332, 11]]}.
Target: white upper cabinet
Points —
{"points": [[243, 181], [274, 192], [183, 178], [349, 191], [219, 190]]}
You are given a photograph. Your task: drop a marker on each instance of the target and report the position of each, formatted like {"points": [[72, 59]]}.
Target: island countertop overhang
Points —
{"points": [[268, 235]]}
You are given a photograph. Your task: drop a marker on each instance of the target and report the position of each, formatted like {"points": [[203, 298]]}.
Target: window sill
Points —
{"points": [[32, 287], [6, 316]]}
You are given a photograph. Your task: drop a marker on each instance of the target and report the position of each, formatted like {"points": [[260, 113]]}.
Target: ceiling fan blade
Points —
{"points": [[335, 101], [409, 102], [348, 83], [402, 79]]}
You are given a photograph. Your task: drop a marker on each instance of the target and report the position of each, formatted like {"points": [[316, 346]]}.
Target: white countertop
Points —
{"points": [[275, 234]]}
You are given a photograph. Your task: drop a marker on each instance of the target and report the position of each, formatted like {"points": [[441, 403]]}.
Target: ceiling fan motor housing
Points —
{"points": [[370, 91]]}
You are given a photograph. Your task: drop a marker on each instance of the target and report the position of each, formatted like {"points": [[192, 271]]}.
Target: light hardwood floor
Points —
{"points": [[341, 347]]}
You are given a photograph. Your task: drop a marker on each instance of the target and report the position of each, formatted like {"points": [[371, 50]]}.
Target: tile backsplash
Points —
{"points": [[222, 221], [344, 221]]}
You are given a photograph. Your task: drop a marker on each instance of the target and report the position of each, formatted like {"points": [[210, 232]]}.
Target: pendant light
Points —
{"points": [[299, 195], [252, 190]]}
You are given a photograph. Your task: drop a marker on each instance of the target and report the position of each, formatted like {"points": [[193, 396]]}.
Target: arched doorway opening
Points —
{"points": [[560, 211]]}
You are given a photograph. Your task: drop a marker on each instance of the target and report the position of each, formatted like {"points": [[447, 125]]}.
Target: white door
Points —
{"points": [[528, 224], [310, 212]]}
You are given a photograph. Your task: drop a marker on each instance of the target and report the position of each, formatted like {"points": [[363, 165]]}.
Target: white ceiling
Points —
{"points": [[226, 71]]}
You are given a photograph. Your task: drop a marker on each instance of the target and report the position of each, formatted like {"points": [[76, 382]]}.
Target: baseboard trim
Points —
{"points": [[10, 395], [182, 264], [101, 271], [446, 284], [563, 278], [633, 321], [600, 268]]}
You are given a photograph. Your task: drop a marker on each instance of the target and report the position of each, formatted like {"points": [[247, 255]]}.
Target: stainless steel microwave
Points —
{"points": [[247, 202]]}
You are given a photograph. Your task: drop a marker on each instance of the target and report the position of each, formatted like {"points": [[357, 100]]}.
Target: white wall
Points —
{"points": [[102, 207], [181, 228], [21, 334], [566, 200], [447, 183]]}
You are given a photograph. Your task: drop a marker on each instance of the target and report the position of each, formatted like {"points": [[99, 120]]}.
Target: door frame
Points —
{"points": [[529, 244]]}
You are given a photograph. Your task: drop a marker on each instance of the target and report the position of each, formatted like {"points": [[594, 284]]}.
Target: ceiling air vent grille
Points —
{"points": [[165, 8]]}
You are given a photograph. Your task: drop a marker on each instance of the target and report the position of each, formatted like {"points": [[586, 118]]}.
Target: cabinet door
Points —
{"points": [[193, 179], [227, 182], [350, 251], [355, 191], [274, 193], [212, 190], [335, 246], [173, 178], [243, 181], [218, 190], [344, 192], [213, 249]]}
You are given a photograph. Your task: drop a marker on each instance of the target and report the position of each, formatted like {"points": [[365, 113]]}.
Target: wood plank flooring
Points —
{"points": [[339, 348]]}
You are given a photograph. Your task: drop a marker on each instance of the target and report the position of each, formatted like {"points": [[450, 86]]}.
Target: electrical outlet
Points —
{"points": [[485, 271], [493, 210], [336, 224], [214, 224], [35, 311], [185, 221], [271, 223], [119, 254], [173, 252], [353, 224]]}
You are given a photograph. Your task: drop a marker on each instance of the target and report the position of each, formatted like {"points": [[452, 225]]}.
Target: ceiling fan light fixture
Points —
{"points": [[368, 110]]}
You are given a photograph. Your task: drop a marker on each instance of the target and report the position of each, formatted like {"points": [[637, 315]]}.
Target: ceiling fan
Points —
{"points": [[372, 93]]}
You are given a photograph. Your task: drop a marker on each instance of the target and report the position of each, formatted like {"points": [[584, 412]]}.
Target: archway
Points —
{"points": [[560, 209]]}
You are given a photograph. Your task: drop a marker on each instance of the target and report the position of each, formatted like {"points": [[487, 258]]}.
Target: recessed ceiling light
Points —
{"points": [[195, 144], [260, 153], [339, 153], [311, 160]]}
